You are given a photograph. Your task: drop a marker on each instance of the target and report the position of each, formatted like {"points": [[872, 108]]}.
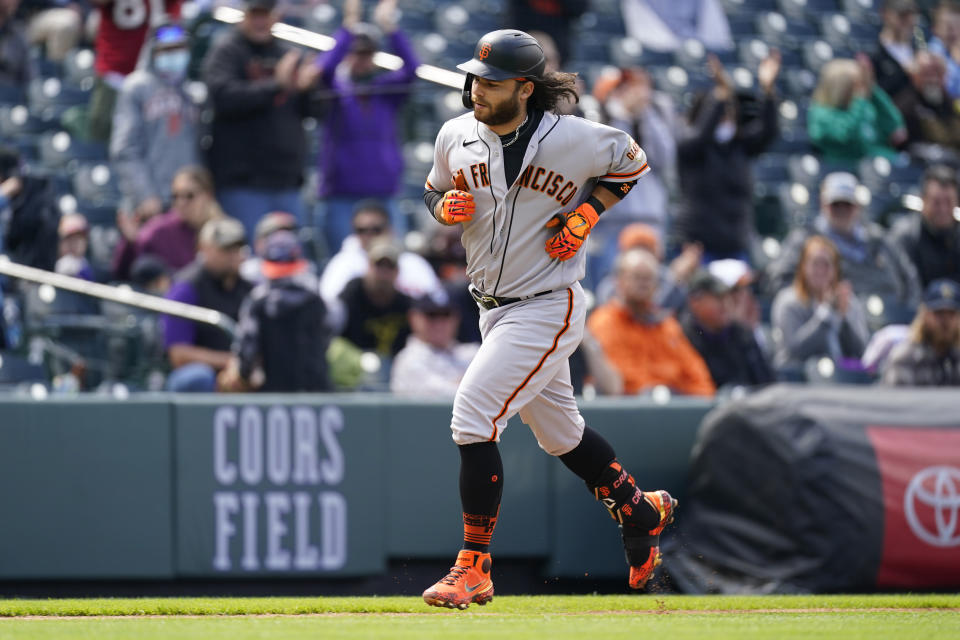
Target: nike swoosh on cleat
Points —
{"points": [[470, 589], [469, 142]]}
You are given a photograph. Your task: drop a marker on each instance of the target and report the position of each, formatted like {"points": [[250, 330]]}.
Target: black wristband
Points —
{"points": [[596, 204]]}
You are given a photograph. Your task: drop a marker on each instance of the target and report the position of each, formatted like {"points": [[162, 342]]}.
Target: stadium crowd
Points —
{"points": [[801, 222]]}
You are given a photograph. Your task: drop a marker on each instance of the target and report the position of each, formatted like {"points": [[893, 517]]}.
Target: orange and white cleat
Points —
{"points": [[468, 581], [643, 547]]}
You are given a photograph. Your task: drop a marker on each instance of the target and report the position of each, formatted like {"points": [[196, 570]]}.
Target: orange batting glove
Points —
{"points": [[571, 236], [457, 206]]}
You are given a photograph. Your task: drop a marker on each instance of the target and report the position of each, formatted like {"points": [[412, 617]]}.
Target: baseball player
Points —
{"points": [[527, 186]]}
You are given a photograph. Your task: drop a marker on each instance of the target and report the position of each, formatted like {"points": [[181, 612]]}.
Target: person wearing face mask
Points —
{"points": [[715, 151], [154, 125], [931, 115], [362, 126]]}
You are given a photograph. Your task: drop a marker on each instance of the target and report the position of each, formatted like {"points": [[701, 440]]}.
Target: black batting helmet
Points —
{"points": [[503, 54]]}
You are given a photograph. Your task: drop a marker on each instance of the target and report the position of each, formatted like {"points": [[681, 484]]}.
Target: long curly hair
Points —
{"points": [[552, 89]]}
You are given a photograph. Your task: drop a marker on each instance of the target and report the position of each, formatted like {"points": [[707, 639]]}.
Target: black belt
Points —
{"points": [[492, 302]]}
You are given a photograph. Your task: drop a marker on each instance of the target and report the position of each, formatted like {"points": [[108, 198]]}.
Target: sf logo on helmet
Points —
{"points": [[484, 51]]}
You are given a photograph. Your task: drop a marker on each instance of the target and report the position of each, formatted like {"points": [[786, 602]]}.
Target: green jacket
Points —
{"points": [[861, 130]]}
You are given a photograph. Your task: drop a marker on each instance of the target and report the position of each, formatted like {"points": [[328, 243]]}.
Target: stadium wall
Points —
{"points": [[295, 486]]}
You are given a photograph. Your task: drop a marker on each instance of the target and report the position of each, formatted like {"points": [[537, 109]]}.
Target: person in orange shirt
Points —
{"points": [[644, 343]]}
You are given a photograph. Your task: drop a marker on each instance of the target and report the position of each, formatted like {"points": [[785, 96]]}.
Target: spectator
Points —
{"points": [[663, 25], [273, 222], [432, 362], [15, 66], [28, 214], [631, 104], [448, 258], [172, 237], [729, 349], [744, 307], [818, 315], [149, 274], [376, 311], [895, 45], [362, 126], [715, 151], [154, 124], [872, 263], [932, 239], [646, 345], [371, 223], [930, 356], [121, 33], [946, 42], [851, 117], [198, 351], [74, 234], [57, 25], [281, 343], [671, 279], [260, 91], [553, 17], [930, 114]]}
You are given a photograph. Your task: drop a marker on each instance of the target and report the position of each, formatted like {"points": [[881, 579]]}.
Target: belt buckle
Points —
{"points": [[489, 302]]}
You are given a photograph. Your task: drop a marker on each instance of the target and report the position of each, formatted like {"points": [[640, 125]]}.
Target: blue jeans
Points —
{"points": [[334, 219], [249, 205], [195, 377]]}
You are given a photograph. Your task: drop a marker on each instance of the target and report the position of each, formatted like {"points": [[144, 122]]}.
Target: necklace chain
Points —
{"points": [[516, 134]]}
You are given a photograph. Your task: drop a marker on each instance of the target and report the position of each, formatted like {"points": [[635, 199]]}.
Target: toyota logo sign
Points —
{"points": [[934, 491]]}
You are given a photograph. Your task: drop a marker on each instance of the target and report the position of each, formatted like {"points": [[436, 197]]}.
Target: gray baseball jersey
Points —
{"points": [[522, 365], [505, 239]]}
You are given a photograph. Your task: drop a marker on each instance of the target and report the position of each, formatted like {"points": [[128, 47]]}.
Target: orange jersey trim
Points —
{"points": [[430, 186], [556, 339], [627, 175]]}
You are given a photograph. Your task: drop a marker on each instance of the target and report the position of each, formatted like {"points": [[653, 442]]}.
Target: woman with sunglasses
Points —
{"points": [[171, 236]]}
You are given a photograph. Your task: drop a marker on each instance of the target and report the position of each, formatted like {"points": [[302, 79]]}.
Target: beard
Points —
{"points": [[501, 113]]}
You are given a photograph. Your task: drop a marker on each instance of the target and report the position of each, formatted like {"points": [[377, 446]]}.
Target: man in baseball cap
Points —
{"points": [[931, 354], [198, 351], [282, 336]]}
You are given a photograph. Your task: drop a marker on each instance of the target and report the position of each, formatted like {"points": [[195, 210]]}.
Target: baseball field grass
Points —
{"points": [[591, 617]]}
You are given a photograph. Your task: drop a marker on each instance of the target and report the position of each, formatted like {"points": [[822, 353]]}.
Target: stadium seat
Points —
{"points": [[78, 69], [609, 24], [779, 31], [816, 53], [862, 11], [11, 95], [798, 203], [325, 18], [691, 55], [16, 369], [58, 149], [431, 48], [628, 52], [842, 33], [95, 182], [48, 98], [806, 169], [799, 82]]}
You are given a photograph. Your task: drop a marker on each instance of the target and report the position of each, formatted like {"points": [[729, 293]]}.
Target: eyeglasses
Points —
{"points": [[183, 195], [368, 231], [385, 263]]}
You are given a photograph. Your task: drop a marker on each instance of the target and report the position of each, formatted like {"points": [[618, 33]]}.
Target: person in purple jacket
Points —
{"points": [[361, 155]]}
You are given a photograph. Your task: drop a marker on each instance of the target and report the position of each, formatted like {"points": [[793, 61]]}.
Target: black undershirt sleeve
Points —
{"points": [[431, 197]]}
